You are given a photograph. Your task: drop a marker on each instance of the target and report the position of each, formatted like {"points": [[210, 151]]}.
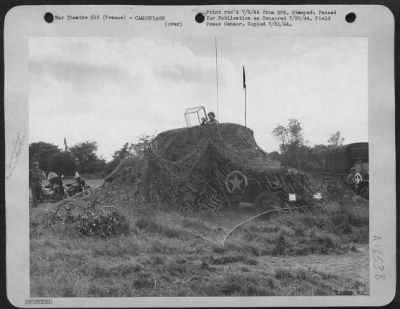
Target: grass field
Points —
{"points": [[166, 254]]}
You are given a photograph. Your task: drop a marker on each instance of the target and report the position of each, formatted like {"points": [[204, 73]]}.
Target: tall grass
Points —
{"points": [[160, 257]]}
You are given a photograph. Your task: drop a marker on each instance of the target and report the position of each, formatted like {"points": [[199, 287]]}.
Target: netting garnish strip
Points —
{"points": [[259, 215]]}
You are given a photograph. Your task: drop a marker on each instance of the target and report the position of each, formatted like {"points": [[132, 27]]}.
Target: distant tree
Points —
{"points": [[62, 163], [137, 150], [85, 151], [87, 157], [98, 166], [336, 139], [281, 133], [295, 132], [275, 155], [291, 142], [319, 147], [42, 152]]}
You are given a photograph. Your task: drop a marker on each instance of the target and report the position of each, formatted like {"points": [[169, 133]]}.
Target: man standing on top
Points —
{"points": [[35, 183], [211, 118]]}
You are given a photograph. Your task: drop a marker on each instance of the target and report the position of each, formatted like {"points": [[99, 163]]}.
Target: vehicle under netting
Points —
{"points": [[215, 169]]}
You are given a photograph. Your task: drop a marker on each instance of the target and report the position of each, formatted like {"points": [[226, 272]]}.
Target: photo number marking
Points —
{"points": [[377, 257]]}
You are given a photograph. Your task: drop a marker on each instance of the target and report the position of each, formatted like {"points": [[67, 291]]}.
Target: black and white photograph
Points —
{"points": [[198, 160]]}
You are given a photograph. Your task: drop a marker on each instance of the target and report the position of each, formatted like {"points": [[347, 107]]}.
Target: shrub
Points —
{"points": [[103, 225]]}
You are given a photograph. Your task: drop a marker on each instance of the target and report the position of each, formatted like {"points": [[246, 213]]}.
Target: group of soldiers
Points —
{"points": [[36, 176]]}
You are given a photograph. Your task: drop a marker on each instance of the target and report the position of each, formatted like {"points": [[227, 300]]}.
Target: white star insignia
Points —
{"points": [[236, 183]]}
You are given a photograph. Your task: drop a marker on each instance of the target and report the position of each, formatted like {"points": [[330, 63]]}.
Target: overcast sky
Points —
{"points": [[112, 90]]}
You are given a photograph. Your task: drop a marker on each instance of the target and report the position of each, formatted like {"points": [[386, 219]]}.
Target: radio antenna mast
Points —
{"points": [[216, 71], [245, 98]]}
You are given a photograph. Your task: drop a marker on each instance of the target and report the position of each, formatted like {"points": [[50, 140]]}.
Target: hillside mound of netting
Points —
{"points": [[233, 142], [187, 168]]}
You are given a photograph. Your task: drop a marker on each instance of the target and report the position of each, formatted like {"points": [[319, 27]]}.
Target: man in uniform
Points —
{"points": [[35, 183], [211, 118]]}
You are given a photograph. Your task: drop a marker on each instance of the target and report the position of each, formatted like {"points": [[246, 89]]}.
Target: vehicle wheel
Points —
{"points": [[364, 192], [265, 200]]}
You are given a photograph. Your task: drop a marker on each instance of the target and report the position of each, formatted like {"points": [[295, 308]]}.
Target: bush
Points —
{"points": [[103, 225]]}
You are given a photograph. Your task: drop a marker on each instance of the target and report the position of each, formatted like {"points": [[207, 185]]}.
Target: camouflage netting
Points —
{"points": [[187, 168]]}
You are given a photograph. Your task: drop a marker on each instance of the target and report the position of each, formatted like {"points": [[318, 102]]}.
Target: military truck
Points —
{"points": [[217, 166]]}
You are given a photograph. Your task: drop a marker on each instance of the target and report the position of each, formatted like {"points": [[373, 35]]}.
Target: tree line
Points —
{"points": [[82, 157], [294, 151]]}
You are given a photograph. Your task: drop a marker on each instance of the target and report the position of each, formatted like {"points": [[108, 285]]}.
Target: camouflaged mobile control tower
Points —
{"points": [[219, 166]]}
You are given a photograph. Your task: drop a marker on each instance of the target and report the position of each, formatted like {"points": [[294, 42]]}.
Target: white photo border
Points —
{"points": [[374, 22]]}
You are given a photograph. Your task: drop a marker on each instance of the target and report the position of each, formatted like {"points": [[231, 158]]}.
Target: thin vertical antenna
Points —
{"points": [[245, 108], [216, 70], [245, 98]]}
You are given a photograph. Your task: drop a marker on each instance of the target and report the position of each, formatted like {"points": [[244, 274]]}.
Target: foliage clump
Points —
{"points": [[103, 225]]}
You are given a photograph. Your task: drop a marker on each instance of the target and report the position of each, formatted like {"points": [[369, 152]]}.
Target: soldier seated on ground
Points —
{"points": [[211, 118]]}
